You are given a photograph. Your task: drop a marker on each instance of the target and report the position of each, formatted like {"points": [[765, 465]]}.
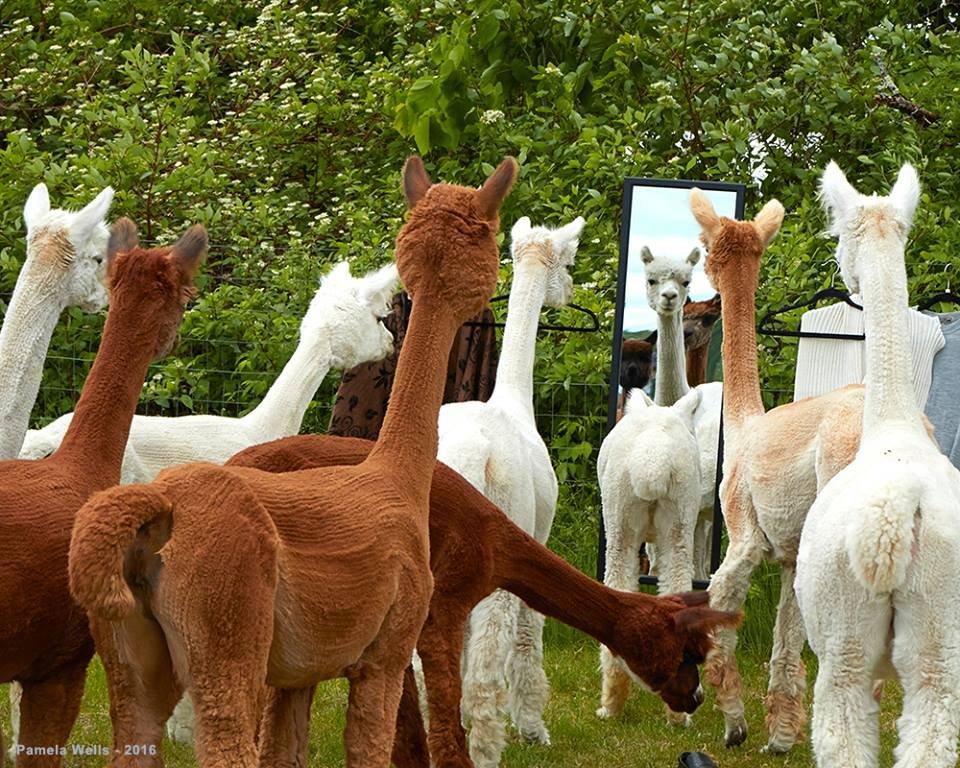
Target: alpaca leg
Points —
{"points": [[529, 689], [180, 725], [284, 729], [410, 748], [441, 647], [16, 693], [48, 710], [622, 572], [701, 545], [925, 656], [786, 708], [728, 591], [227, 696], [142, 686], [372, 715], [493, 628]]}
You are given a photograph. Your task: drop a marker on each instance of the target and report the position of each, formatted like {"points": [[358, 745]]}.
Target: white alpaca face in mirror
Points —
{"points": [[668, 280], [556, 249], [862, 222], [74, 242], [348, 312]]}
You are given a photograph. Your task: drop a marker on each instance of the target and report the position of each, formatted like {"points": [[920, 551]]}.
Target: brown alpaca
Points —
{"points": [[636, 366], [45, 644], [476, 549], [773, 465], [292, 579], [699, 320]]}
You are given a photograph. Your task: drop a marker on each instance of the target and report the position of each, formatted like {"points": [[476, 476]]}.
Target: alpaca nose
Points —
{"points": [[698, 695], [669, 294]]}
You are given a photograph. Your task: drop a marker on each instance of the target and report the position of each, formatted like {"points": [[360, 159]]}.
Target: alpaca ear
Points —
{"points": [[705, 214], [92, 215], [496, 188], [652, 338], [838, 196], [693, 257], [693, 598], [37, 206], [339, 273], [646, 255], [701, 619], [123, 238], [906, 193], [378, 287], [571, 232], [189, 251], [768, 221], [687, 406], [520, 228], [415, 181]]}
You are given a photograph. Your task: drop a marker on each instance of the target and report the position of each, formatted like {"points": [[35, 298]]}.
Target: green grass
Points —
{"points": [[640, 738]]}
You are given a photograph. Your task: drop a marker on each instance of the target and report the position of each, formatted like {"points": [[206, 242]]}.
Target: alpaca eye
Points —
{"points": [[651, 282], [686, 283]]}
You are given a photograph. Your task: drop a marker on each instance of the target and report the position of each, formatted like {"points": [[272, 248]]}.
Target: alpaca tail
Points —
{"points": [[103, 532], [880, 537]]}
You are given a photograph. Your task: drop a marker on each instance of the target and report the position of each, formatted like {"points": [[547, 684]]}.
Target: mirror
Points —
{"points": [[656, 217]]}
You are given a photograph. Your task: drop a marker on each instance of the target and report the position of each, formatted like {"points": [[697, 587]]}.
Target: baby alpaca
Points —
{"points": [[496, 446], [649, 473], [474, 549], [878, 569], [289, 580]]}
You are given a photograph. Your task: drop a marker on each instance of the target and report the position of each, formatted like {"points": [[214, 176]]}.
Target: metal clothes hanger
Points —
{"points": [[594, 327], [944, 297], [833, 293]]}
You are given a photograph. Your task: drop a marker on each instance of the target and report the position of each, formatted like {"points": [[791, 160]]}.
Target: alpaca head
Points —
{"points": [[163, 277], [866, 224], [663, 651], [636, 362], [734, 247], [345, 315], [667, 419], [71, 245], [447, 250], [550, 249], [668, 280], [699, 318]]}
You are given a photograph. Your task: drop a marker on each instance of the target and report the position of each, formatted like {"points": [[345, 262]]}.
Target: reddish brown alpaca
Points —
{"points": [[475, 549], [292, 579], [699, 320], [44, 641]]}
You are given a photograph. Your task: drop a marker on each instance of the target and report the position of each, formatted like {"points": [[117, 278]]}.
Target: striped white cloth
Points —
{"points": [[827, 364]]}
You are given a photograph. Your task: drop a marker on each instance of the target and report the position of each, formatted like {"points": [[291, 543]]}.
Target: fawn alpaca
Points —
{"points": [[474, 549], [292, 579], [878, 570], [496, 446], [45, 644]]}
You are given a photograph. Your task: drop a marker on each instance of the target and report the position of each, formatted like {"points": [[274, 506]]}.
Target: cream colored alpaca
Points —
{"points": [[772, 462], [495, 445], [649, 473], [878, 571], [63, 268], [341, 329]]}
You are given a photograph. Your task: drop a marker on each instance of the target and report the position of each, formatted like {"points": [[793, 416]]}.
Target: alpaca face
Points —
{"points": [[551, 249], [73, 245], [447, 249], [346, 312], [668, 280], [865, 223], [699, 318], [636, 363]]}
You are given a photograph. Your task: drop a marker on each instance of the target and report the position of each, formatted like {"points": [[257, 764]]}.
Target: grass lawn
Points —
{"points": [[641, 738]]}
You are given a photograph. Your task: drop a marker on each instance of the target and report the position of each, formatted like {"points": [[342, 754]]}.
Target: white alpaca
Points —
{"points": [[341, 329], [878, 570], [63, 268], [649, 472], [496, 447]]}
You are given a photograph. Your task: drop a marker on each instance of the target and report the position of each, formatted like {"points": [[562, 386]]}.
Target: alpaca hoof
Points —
{"points": [[180, 733], [736, 735], [605, 713], [679, 719], [776, 748], [538, 734]]}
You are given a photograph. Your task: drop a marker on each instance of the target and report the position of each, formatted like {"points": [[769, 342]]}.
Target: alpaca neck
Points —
{"points": [[31, 318], [282, 409], [889, 390], [553, 587], [97, 435], [741, 376], [671, 365], [697, 365], [408, 437], [515, 366]]}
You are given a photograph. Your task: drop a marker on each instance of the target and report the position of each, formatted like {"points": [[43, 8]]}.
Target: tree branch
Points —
{"points": [[890, 96]]}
